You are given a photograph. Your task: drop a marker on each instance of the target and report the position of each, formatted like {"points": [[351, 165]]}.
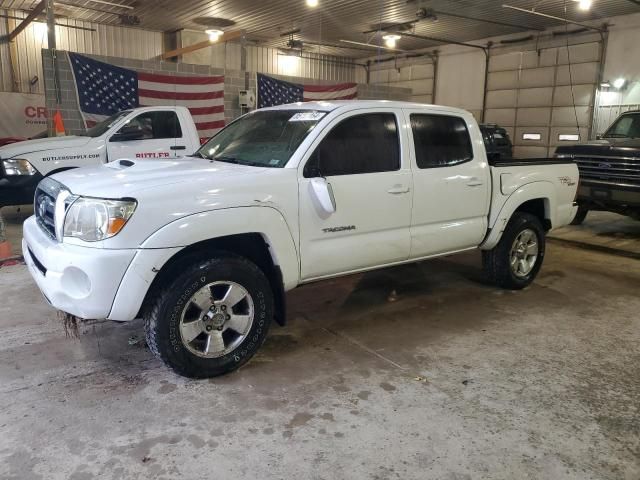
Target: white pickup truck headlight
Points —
{"points": [[18, 166], [95, 219]]}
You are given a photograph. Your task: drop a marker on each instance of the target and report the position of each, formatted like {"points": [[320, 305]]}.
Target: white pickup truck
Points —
{"points": [[204, 247], [147, 132]]}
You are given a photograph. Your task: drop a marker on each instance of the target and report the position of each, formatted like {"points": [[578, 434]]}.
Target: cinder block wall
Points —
{"points": [[235, 80]]}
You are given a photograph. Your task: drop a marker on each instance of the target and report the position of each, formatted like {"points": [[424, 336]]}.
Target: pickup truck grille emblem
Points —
{"points": [[604, 165]]}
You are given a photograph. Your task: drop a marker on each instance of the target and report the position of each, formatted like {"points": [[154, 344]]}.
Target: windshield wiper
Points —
{"points": [[200, 155], [223, 158], [248, 163]]}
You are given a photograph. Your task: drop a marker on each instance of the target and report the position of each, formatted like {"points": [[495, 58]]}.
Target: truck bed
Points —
{"points": [[523, 162]]}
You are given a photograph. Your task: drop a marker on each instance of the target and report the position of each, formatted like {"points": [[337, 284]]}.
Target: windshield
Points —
{"points": [[627, 126], [262, 138], [100, 128]]}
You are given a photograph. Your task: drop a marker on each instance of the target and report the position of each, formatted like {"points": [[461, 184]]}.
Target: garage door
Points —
{"points": [[418, 77], [529, 93]]}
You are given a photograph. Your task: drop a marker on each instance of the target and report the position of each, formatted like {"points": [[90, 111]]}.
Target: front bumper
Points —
{"points": [[604, 194], [82, 281], [18, 189]]}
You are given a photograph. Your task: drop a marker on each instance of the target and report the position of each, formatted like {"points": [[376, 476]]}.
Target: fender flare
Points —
{"points": [[163, 244], [265, 220], [544, 190]]}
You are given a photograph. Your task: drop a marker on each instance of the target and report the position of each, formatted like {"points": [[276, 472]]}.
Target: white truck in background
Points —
{"points": [[146, 132], [204, 247]]}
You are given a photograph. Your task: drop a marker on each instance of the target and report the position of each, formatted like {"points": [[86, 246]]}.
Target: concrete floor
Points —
{"points": [[605, 231], [446, 378]]}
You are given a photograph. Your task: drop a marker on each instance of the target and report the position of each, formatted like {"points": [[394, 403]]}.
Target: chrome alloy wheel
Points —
{"points": [[524, 253], [216, 319]]}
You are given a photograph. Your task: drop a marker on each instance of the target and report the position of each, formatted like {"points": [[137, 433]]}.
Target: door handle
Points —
{"points": [[398, 189], [177, 147], [474, 182]]}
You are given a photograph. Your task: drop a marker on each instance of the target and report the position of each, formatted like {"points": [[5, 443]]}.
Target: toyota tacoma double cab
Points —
{"points": [[609, 169], [205, 247], [146, 132]]}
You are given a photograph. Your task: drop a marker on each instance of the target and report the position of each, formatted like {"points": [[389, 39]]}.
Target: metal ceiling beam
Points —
{"points": [[374, 47], [493, 22], [560, 19], [200, 45], [39, 8], [439, 40]]}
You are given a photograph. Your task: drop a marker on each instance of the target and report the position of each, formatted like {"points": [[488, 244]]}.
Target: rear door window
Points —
{"points": [[157, 125], [440, 140]]}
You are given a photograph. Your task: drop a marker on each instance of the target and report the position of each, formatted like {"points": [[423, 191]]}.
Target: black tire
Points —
{"points": [[162, 316], [581, 214], [496, 262]]}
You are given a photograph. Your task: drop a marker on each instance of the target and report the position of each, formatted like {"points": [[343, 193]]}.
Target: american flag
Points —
{"points": [[104, 89], [272, 91]]}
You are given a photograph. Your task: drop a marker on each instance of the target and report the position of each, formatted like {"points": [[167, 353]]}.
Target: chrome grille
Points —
{"points": [[44, 205], [622, 170]]}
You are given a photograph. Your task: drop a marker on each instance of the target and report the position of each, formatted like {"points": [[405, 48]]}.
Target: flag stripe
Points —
{"points": [[158, 102], [329, 88], [210, 125], [176, 80], [207, 110], [166, 87], [333, 95], [179, 95]]}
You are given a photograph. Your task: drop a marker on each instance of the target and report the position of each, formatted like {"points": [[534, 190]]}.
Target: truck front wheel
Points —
{"points": [[516, 260], [212, 318]]}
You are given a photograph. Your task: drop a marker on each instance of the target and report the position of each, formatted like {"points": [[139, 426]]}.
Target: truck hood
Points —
{"points": [[42, 144], [608, 147], [130, 178]]}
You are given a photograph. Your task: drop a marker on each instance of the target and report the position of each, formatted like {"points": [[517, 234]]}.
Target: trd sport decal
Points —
{"points": [[568, 181], [339, 229]]}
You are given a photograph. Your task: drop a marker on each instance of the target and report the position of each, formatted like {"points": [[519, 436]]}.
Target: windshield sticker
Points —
{"points": [[274, 161], [307, 116]]}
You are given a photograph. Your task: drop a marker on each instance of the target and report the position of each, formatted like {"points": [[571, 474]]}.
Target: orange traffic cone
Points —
{"points": [[58, 124], [5, 246]]}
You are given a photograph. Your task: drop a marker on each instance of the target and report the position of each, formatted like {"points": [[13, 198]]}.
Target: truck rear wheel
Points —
{"points": [[581, 214], [212, 318], [516, 260]]}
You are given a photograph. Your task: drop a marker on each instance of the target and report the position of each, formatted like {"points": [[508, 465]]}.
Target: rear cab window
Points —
{"points": [[156, 125], [440, 140]]}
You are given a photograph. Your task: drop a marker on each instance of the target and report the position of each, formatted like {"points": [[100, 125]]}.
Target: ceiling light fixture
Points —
{"points": [[214, 35], [584, 5], [390, 40], [312, 3]]}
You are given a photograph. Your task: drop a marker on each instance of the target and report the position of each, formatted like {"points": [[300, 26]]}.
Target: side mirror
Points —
{"points": [[127, 133], [322, 193], [598, 137]]}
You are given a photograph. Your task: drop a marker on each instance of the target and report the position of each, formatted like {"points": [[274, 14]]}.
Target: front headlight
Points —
{"points": [[18, 166], [95, 219]]}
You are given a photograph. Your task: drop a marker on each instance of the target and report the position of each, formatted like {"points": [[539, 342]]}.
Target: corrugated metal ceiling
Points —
{"points": [[334, 20]]}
